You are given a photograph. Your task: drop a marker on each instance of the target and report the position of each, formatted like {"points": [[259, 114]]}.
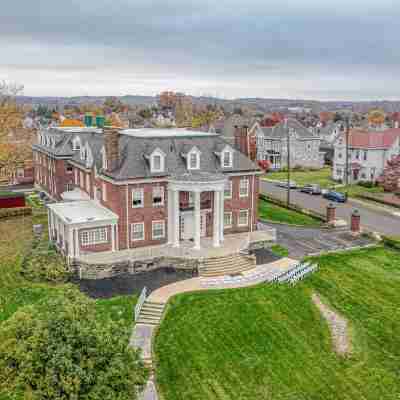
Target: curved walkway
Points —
{"points": [[143, 334]]}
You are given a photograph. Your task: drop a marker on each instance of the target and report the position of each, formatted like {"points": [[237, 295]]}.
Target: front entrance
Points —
{"points": [[186, 222]]}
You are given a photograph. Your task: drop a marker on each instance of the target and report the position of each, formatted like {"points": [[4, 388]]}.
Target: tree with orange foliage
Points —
{"points": [[376, 117]]}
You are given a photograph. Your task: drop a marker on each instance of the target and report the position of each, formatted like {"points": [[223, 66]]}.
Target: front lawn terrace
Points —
{"points": [[270, 341], [271, 212]]}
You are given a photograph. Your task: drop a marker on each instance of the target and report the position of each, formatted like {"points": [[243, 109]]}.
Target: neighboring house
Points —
{"points": [[328, 132], [272, 145], [142, 187], [369, 152]]}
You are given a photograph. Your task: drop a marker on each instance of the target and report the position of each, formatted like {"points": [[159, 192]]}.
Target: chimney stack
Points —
{"points": [[241, 140], [111, 146]]}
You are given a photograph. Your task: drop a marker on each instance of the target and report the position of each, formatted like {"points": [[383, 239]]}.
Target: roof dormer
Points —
{"points": [[157, 161], [193, 159], [225, 156], [76, 143]]}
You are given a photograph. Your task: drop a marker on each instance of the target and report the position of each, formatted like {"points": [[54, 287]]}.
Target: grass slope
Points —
{"points": [[276, 213], [270, 342], [320, 177], [15, 291]]}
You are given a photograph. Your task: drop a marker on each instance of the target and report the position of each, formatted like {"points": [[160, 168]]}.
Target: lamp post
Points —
{"points": [[288, 162]]}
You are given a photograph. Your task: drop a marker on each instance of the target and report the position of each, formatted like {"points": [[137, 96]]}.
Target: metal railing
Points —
{"points": [[140, 302]]}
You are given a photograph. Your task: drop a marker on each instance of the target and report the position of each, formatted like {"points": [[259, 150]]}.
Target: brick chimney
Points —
{"points": [[241, 140], [111, 146]]}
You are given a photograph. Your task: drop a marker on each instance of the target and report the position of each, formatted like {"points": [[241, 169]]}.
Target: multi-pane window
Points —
{"points": [[243, 218], [227, 159], [228, 190], [137, 231], [227, 219], [244, 187], [94, 236], [158, 196], [157, 162], [193, 161], [158, 229], [137, 198]]}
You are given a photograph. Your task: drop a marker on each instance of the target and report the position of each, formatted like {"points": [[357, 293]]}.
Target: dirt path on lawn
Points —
{"points": [[338, 327]]}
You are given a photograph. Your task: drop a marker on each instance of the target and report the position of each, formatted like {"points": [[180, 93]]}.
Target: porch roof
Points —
{"points": [[80, 212]]}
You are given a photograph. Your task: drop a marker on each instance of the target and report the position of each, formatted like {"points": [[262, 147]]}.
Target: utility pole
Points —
{"points": [[347, 148], [288, 162]]}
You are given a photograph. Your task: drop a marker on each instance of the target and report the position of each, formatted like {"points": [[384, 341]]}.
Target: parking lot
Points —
{"points": [[306, 241]]}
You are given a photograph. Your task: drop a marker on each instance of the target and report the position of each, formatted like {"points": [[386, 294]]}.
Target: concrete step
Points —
{"points": [[147, 321], [228, 270], [227, 265]]}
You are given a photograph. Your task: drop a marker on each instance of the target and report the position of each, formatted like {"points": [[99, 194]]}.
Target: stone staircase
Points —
{"points": [[151, 313], [228, 265]]}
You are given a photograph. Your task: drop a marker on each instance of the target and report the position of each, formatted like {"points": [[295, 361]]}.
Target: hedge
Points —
{"points": [[10, 195], [293, 207], [391, 242], [15, 212]]}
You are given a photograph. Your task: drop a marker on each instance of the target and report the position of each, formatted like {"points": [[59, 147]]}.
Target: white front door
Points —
{"points": [[186, 222]]}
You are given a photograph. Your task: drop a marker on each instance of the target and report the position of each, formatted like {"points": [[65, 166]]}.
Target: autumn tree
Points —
{"points": [[10, 112]]}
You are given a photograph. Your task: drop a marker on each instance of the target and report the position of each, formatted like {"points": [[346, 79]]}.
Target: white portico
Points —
{"points": [[196, 183]]}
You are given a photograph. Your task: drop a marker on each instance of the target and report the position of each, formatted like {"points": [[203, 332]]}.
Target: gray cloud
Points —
{"points": [[265, 48]]}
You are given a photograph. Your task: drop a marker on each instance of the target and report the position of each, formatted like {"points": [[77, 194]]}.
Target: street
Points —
{"points": [[377, 220]]}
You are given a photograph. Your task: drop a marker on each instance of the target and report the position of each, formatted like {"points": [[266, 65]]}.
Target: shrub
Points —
{"points": [[15, 212], [367, 185], [58, 349], [391, 242], [43, 263]]}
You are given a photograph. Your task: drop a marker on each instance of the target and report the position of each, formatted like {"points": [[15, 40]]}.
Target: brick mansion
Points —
{"points": [[117, 189]]}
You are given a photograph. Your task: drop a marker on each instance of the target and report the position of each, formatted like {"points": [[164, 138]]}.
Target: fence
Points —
{"points": [[140, 302], [297, 273]]}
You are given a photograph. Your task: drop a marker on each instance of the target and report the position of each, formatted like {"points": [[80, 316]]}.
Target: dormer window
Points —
{"points": [[76, 144], [157, 161], [193, 159], [226, 157]]}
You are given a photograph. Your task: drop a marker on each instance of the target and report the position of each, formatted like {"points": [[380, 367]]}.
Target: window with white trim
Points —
{"points": [[227, 159], [137, 231], [76, 144], [244, 187], [243, 218], [137, 198], [157, 161], [227, 219], [193, 159], [94, 236], [228, 190], [158, 196], [158, 229]]}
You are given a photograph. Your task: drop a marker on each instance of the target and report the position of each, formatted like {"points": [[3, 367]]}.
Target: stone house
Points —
{"points": [[125, 189], [271, 143], [369, 153]]}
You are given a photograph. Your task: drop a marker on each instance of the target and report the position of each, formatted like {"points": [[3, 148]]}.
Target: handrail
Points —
{"points": [[140, 302]]}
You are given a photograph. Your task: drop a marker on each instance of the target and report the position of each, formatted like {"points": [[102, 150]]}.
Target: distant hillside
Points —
{"points": [[258, 104]]}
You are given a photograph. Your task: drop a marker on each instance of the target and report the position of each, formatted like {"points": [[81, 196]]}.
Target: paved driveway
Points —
{"points": [[305, 241], [375, 220]]}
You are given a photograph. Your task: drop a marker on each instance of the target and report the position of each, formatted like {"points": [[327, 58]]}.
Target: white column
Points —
{"points": [[49, 222], [221, 215], [77, 244], [170, 216], [112, 237], [217, 219], [70, 241], [197, 220], [176, 226]]}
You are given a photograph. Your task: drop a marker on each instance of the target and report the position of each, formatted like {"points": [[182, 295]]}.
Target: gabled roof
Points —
{"points": [[279, 131], [373, 139]]}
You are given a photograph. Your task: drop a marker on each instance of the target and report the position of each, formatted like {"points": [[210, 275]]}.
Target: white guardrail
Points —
{"points": [[140, 302]]}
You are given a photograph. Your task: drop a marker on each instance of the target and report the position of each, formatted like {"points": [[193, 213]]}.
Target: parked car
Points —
{"points": [[284, 184], [311, 189], [335, 196]]}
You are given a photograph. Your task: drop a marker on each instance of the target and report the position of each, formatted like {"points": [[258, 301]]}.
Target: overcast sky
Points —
{"points": [[315, 49]]}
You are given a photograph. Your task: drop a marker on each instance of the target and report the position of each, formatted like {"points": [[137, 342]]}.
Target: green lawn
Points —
{"points": [[270, 342], [321, 177], [15, 291], [275, 213]]}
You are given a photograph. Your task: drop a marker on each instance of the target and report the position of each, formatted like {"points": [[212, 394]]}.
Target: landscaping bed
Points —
{"points": [[271, 341]]}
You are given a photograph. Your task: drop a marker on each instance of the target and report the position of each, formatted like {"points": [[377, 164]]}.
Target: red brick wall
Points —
{"points": [[238, 203], [148, 214]]}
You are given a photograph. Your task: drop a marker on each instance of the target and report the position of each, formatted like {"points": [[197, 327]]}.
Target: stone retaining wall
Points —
{"points": [[101, 271]]}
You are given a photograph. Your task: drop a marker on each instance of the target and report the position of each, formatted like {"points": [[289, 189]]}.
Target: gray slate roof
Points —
{"points": [[133, 152], [279, 131]]}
